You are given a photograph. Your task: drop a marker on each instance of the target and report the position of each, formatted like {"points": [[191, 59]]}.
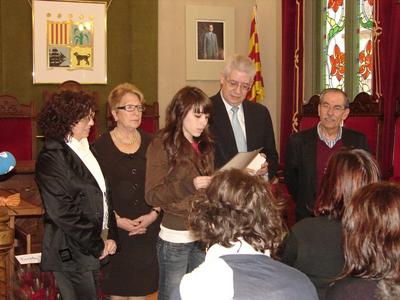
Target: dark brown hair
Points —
{"points": [[238, 205], [62, 112], [371, 237], [175, 143], [347, 171]]}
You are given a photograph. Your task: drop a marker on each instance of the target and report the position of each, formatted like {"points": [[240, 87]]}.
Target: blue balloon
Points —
{"points": [[7, 162]]}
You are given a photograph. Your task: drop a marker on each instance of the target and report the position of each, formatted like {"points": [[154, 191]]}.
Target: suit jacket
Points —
{"points": [[300, 165], [259, 133], [73, 204]]}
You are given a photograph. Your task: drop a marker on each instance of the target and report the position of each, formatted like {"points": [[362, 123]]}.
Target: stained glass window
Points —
{"points": [[346, 45], [334, 43], [365, 18]]}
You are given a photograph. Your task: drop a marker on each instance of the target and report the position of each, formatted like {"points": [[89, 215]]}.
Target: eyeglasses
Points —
{"points": [[131, 107], [335, 108], [244, 87]]}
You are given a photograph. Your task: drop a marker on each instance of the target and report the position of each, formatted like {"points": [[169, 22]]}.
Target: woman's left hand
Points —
{"points": [[109, 248], [143, 222]]}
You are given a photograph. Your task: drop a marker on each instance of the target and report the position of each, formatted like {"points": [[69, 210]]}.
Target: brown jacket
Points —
{"points": [[171, 191]]}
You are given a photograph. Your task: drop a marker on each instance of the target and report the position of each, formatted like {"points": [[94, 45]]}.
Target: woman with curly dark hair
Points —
{"points": [[371, 245], [179, 162], [80, 227], [241, 223], [314, 244]]}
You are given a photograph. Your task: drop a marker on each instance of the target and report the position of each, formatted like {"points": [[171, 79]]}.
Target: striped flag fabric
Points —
{"points": [[256, 93], [58, 33]]}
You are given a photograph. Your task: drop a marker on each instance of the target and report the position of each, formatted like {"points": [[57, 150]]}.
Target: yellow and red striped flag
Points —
{"points": [[257, 90]]}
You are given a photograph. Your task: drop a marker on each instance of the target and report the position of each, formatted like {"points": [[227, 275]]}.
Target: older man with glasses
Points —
{"points": [[308, 151], [237, 124]]}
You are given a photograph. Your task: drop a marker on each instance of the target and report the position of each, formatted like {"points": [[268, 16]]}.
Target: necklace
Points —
{"points": [[121, 140]]}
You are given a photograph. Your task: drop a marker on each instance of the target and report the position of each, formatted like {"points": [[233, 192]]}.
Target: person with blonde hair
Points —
{"points": [[133, 271]]}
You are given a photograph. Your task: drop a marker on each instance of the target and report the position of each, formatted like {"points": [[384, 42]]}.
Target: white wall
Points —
{"points": [[171, 49]]}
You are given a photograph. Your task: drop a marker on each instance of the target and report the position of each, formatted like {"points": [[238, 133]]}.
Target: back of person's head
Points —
{"points": [[371, 237], [239, 62], [347, 171], [238, 205]]}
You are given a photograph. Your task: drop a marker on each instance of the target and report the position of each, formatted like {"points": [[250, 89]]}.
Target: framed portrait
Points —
{"points": [[209, 40], [69, 41]]}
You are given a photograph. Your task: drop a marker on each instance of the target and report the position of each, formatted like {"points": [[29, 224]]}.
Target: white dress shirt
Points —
{"points": [[240, 114], [81, 148]]}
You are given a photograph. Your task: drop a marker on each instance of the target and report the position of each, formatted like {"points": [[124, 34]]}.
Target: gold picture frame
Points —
{"points": [[69, 41], [199, 19]]}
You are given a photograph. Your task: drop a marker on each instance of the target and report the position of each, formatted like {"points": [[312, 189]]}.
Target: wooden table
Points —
{"points": [[24, 209], [29, 206]]}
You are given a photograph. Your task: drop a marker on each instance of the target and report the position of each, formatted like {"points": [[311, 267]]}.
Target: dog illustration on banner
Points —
{"points": [[70, 44]]}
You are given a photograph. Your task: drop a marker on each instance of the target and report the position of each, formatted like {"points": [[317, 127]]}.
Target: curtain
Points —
{"points": [[386, 74], [292, 69]]}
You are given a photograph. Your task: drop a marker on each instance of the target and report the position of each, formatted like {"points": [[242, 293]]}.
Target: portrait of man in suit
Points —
{"points": [[210, 40]]}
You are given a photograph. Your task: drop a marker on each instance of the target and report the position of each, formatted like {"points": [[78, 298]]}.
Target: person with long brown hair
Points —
{"points": [[179, 162], [314, 244], [371, 245], [240, 221]]}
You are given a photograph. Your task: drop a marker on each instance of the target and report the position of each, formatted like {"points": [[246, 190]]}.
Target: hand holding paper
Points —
{"points": [[248, 160], [258, 164]]}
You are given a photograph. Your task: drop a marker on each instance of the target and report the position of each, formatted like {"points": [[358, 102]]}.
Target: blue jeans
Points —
{"points": [[175, 260]]}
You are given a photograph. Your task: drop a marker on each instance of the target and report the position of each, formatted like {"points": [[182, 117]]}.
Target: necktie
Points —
{"points": [[237, 131]]}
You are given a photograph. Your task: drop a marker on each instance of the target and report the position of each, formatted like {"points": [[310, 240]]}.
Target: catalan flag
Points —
{"points": [[58, 33], [257, 90]]}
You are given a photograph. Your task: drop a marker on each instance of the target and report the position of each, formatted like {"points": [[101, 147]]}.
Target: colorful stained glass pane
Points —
{"points": [[365, 60], [334, 43]]}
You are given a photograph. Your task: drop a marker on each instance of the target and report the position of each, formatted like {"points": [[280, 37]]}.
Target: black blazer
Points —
{"points": [[300, 165], [259, 132], [73, 204]]}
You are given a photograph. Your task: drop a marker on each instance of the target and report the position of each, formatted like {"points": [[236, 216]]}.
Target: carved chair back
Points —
{"points": [[365, 116], [18, 128]]}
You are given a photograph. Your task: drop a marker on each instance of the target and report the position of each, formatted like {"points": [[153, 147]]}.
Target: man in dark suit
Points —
{"points": [[308, 151], [237, 124]]}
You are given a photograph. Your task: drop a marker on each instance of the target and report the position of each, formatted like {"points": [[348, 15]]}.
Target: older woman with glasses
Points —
{"points": [[80, 227], [133, 271]]}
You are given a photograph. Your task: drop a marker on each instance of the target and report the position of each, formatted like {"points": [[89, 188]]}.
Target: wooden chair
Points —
{"points": [[71, 85], [150, 118], [18, 128], [365, 116]]}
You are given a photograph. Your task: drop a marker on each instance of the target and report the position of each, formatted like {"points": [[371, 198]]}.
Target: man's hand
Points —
{"points": [[201, 182]]}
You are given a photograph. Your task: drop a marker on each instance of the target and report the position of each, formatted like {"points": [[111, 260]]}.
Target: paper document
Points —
{"points": [[256, 163], [33, 258], [244, 160]]}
